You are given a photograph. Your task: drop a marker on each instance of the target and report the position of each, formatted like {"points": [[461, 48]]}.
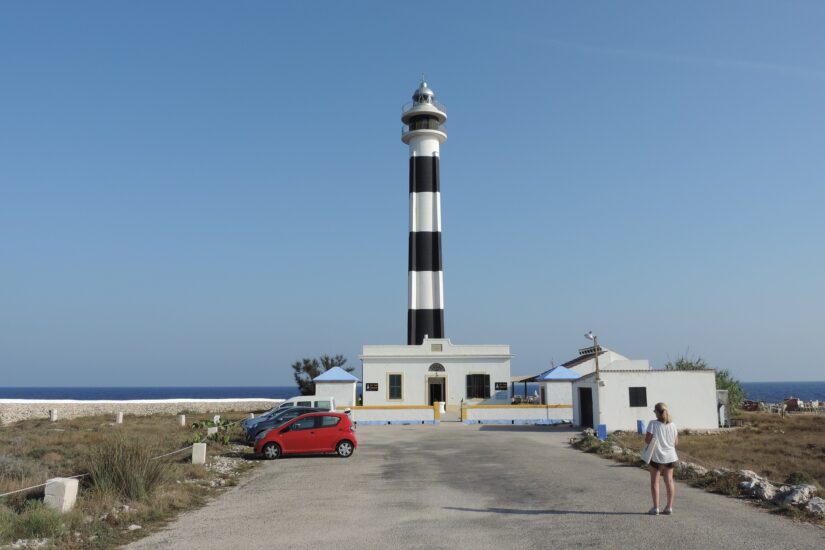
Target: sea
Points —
{"points": [[772, 392]]}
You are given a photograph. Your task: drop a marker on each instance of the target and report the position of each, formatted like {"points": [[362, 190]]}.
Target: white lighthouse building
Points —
{"points": [[430, 368]]}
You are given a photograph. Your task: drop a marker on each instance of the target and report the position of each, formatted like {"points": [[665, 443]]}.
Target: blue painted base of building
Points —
{"points": [[520, 422], [394, 422]]}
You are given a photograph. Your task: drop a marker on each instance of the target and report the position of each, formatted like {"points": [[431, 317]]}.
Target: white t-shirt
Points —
{"points": [[665, 436]]}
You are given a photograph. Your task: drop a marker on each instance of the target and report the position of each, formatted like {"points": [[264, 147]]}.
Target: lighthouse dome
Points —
{"points": [[423, 94]]}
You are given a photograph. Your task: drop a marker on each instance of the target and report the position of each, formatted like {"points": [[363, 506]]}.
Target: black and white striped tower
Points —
{"points": [[424, 132]]}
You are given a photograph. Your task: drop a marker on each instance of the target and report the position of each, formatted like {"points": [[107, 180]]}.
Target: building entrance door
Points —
{"points": [[436, 387], [586, 407]]}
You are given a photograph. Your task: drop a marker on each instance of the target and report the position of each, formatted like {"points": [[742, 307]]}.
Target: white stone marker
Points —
{"points": [[61, 493], [53, 415], [199, 453], [182, 419], [251, 415], [216, 418], [119, 418], [212, 430]]}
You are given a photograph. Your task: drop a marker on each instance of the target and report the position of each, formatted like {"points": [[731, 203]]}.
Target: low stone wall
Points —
{"points": [[15, 410], [517, 414], [390, 414]]}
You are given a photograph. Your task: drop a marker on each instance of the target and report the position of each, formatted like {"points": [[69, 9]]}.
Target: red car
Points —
{"points": [[322, 432]]}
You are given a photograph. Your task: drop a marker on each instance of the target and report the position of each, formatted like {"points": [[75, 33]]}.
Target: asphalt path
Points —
{"points": [[455, 486]]}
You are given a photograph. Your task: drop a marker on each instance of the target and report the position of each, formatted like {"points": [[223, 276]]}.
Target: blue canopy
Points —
{"points": [[558, 373]]}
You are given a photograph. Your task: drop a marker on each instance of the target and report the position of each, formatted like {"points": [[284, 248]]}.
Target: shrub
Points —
{"points": [[35, 521], [13, 468], [124, 467], [724, 484], [800, 478]]}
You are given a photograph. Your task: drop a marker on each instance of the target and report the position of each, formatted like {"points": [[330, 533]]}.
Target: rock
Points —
{"points": [[589, 432], [764, 490], [816, 506], [698, 470], [799, 495], [616, 450], [748, 486], [750, 475], [29, 543], [720, 472], [134, 527]]}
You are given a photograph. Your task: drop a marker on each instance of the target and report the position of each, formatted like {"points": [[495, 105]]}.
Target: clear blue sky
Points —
{"points": [[201, 193]]}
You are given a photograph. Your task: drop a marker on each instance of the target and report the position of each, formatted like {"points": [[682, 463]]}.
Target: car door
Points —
{"points": [[328, 433], [300, 437], [276, 421]]}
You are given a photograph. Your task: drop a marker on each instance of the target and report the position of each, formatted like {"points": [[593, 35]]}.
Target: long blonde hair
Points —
{"points": [[664, 414]]}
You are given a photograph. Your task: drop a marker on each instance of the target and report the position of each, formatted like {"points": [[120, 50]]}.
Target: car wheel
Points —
{"points": [[344, 449], [271, 451]]}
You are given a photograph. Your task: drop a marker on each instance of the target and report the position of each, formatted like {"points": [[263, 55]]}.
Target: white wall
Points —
{"points": [[559, 392], [413, 363], [517, 414], [343, 392], [366, 415], [690, 396], [610, 360]]}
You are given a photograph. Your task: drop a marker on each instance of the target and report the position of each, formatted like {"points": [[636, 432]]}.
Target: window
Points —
{"points": [[304, 404], [323, 404], [638, 397], [304, 423], [329, 421], [395, 386], [478, 386], [437, 367]]}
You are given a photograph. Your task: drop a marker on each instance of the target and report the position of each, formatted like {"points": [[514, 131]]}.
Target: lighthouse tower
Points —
{"points": [[424, 132], [429, 368]]}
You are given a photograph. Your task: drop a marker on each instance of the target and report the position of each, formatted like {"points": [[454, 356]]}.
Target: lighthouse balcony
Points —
{"points": [[423, 125]]}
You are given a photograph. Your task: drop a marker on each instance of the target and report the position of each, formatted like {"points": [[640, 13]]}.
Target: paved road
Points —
{"points": [[454, 486]]}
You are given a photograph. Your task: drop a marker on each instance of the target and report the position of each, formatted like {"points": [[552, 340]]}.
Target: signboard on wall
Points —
{"points": [[501, 386], [371, 386]]}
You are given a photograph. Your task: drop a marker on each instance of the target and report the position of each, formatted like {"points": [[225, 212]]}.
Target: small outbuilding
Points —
{"points": [[620, 399], [338, 383]]}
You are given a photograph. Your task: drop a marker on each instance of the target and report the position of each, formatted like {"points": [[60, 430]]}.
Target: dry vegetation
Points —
{"points": [[785, 450], [32, 451], [789, 450]]}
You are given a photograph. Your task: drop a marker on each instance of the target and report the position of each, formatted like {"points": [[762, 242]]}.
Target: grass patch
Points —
{"points": [[777, 448], [35, 521], [125, 487], [124, 467]]}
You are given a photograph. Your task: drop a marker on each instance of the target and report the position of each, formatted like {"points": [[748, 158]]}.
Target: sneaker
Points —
{"points": [[667, 511], [653, 511]]}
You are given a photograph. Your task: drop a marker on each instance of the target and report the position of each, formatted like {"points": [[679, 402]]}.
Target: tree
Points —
{"points": [[724, 379], [308, 368]]}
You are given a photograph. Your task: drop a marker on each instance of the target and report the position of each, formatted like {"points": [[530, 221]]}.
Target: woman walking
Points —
{"points": [[664, 458]]}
